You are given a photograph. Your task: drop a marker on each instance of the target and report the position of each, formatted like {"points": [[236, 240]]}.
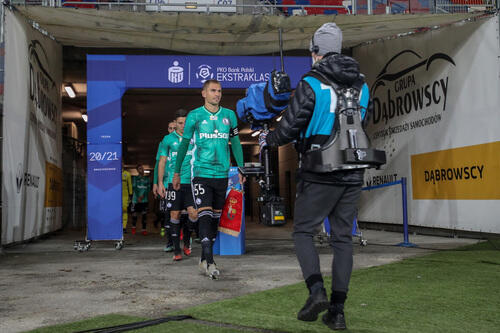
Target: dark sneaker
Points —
{"points": [[316, 303], [335, 321], [213, 272]]}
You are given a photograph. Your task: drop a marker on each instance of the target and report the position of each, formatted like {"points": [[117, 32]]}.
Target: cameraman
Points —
{"points": [[310, 120]]}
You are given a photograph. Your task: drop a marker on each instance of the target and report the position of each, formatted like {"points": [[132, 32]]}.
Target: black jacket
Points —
{"points": [[342, 70]]}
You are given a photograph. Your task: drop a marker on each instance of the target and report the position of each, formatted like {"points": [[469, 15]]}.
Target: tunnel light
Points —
{"points": [[279, 118], [147, 172], [70, 91], [191, 5], [85, 117], [255, 133]]}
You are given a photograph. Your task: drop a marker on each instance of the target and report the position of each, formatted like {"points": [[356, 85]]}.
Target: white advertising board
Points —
{"points": [[32, 146], [436, 114]]}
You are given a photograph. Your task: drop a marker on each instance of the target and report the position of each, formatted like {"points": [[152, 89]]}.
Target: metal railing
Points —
{"points": [[404, 201], [463, 6], [189, 6], [270, 7]]}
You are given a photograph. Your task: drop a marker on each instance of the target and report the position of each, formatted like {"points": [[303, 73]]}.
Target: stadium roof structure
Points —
{"points": [[220, 34]]}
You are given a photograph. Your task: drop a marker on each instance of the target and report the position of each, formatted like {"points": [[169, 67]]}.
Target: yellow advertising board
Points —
{"points": [[465, 173], [53, 185]]}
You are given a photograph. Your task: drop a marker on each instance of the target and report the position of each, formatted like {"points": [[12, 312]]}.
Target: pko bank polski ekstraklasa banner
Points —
{"points": [[436, 115], [32, 146]]}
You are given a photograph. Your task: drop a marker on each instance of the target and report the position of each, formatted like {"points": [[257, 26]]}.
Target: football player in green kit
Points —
{"points": [[181, 199], [141, 186], [211, 127], [171, 128], [164, 215]]}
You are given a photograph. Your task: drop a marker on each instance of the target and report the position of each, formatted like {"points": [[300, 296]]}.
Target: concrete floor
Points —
{"points": [[47, 282]]}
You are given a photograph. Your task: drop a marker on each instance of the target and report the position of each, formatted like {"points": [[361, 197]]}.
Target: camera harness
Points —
{"points": [[348, 146]]}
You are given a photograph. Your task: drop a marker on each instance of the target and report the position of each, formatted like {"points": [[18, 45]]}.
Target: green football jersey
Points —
{"points": [[210, 133], [166, 171], [170, 145], [141, 186]]}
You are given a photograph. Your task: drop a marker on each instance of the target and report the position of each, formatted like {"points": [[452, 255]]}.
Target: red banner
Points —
{"points": [[231, 217]]}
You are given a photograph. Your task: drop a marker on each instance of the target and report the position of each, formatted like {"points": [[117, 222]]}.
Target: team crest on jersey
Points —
{"points": [[225, 121], [198, 201], [213, 117], [169, 205]]}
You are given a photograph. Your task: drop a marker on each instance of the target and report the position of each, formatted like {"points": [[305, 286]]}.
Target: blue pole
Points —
{"points": [[405, 209], [406, 242]]}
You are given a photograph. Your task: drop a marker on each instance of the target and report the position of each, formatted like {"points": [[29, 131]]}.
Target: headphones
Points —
{"points": [[314, 48]]}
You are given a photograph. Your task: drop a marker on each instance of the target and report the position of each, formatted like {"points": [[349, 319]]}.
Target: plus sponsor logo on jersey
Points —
{"points": [[215, 135], [174, 154]]}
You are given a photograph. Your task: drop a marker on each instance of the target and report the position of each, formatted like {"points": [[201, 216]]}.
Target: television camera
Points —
{"points": [[263, 102], [271, 206]]}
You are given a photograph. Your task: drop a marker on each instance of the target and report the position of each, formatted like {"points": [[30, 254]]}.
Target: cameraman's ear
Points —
{"points": [[315, 58]]}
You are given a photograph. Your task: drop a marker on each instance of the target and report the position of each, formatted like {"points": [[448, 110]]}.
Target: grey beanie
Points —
{"points": [[328, 38]]}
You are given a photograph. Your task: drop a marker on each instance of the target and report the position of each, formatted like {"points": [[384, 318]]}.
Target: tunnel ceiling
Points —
{"points": [[218, 34]]}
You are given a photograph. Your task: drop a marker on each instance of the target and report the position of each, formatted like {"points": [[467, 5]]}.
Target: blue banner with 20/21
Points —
{"points": [[104, 185]]}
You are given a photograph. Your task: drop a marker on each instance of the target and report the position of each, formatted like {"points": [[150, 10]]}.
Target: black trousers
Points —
{"points": [[313, 204]]}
